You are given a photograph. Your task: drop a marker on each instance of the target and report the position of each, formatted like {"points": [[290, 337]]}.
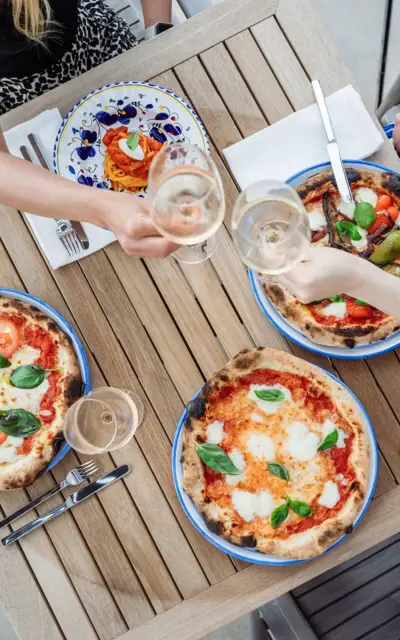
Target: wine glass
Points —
{"points": [[270, 227], [103, 420], [187, 200]]}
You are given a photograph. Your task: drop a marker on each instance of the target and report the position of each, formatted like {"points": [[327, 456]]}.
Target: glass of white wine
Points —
{"points": [[187, 200], [103, 420], [270, 227]]}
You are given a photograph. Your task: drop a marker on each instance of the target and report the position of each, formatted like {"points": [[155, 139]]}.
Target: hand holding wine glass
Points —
{"points": [[187, 200]]}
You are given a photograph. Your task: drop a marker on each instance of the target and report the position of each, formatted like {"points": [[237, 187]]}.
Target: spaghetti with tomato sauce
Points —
{"points": [[226, 405]]}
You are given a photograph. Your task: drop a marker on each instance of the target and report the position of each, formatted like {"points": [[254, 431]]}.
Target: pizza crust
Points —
{"points": [[299, 315], [313, 541], [25, 471]]}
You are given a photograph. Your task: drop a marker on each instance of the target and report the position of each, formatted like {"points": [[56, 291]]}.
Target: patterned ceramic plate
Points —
{"points": [[157, 112]]}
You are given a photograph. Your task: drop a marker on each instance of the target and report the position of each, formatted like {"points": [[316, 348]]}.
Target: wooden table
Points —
{"points": [[128, 563]]}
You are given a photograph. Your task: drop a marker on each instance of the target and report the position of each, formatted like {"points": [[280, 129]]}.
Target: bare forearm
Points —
{"points": [[30, 188], [156, 11], [380, 289]]}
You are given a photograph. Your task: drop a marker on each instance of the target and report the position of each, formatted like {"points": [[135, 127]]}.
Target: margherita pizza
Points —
{"points": [[275, 455], [39, 379], [369, 228]]}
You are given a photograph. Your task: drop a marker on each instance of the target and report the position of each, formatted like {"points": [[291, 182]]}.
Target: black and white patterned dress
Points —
{"points": [[100, 35]]}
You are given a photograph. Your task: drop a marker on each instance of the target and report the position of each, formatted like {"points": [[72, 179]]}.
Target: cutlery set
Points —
{"points": [[70, 233], [74, 477]]}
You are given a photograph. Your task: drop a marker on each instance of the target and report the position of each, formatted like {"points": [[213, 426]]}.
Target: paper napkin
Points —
{"points": [[299, 141]]}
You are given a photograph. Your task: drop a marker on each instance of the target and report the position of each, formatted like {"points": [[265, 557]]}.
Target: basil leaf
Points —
{"points": [[364, 215], [270, 395], [18, 423], [27, 376], [216, 458], [335, 299], [361, 303], [4, 362], [330, 440], [301, 508], [132, 141], [279, 515], [278, 470], [347, 228]]}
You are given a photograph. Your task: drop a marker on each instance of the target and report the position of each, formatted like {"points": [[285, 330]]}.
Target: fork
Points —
{"points": [[64, 230], [74, 477], [68, 237]]}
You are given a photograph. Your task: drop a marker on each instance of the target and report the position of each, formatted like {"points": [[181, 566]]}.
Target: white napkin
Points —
{"points": [[299, 141], [46, 126]]}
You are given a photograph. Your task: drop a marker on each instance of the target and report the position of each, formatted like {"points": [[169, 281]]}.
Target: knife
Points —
{"points": [[77, 226], [332, 147], [71, 501]]}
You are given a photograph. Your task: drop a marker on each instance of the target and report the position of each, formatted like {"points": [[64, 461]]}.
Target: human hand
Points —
{"points": [[324, 272], [129, 219]]}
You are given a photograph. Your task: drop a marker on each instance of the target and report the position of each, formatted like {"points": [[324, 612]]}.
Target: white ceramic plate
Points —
{"points": [[157, 112], [249, 555], [291, 331], [66, 327]]}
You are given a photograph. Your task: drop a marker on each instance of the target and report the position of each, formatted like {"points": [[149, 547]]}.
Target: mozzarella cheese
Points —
{"points": [[28, 399], [337, 309], [363, 243], [8, 454], [256, 417], [251, 505], [238, 460], [330, 426], [302, 444], [365, 194], [136, 154], [26, 355], [316, 220], [261, 446], [330, 495], [215, 432], [268, 407], [347, 208]]}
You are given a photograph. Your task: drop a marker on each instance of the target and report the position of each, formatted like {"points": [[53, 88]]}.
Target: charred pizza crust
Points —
{"points": [[297, 313], [23, 472], [300, 545]]}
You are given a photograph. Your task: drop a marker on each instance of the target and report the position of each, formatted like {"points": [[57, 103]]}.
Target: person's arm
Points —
{"points": [[326, 272], [30, 188], [156, 11]]}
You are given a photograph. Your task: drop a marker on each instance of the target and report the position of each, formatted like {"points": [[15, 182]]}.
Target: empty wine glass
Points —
{"points": [[187, 200]]}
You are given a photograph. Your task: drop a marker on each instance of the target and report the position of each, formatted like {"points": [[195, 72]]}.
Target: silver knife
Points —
{"points": [[71, 501], [332, 147], [77, 226]]}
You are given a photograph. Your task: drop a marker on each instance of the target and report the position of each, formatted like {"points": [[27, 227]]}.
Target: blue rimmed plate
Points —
{"points": [[157, 112], [66, 327], [249, 555], [291, 331]]}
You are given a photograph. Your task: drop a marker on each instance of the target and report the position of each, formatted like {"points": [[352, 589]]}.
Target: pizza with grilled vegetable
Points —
{"points": [[369, 227], [39, 379], [275, 455]]}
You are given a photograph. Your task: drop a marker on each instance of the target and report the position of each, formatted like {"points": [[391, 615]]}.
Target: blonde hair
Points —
{"points": [[32, 18]]}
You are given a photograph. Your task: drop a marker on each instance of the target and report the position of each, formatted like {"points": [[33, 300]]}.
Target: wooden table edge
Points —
{"points": [[250, 588]]}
